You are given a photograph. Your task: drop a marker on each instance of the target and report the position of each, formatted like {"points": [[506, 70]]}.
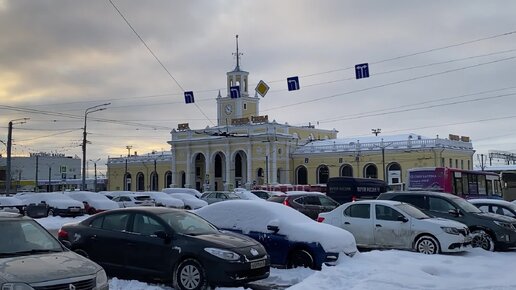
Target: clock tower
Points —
{"points": [[245, 106]]}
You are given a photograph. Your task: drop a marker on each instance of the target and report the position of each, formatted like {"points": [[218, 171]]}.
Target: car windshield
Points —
{"points": [[25, 237], [189, 224], [466, 205], [412, 211]]}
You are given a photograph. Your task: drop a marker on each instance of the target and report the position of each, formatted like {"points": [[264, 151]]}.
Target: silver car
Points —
{"points": [[217, 196], [31, 258]]}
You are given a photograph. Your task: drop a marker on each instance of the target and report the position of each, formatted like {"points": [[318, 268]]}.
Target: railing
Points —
{"points": [[371, 146], [149, 157]]}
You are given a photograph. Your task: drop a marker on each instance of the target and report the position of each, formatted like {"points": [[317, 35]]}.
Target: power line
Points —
{"points": [[155, 57], [387, 84]]}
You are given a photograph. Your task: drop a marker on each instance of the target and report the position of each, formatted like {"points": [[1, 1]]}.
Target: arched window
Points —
{"points": [[346, 170], [183, 179], [323, 173], [127, 181], [168, 179], [140, 182], [370, 171], [301, 175], [393, 173], [260, 176], [154, 181], [218, 166]]}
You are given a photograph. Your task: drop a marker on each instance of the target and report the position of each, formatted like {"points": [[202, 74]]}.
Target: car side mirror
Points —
{"points": [[272, 228], [454, 212], [402, 219]]}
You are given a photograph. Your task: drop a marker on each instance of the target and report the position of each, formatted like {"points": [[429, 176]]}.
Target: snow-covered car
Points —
{"points": [[497, 206], [93, 202], [218, 196], [58, 203], [190, 201], [398, 225], [113, 194], [133, 199], [11, 204], [163, 199], [245, 194], [291, 238], [190, 191]]}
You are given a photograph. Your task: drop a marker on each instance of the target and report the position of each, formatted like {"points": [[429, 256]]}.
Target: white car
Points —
{"points": [[497, 206], [163, 199], [93, 202], [132, 200], [11, 204], [190, 201], [59, 203], [397, 225], [190, 191], [291, 238], [113, 194]]}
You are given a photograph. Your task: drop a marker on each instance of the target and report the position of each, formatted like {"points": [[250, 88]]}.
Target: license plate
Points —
{"points": [[258, 264], [74, 209]]}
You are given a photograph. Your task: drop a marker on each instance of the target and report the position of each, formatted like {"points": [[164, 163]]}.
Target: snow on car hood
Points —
{"points": [[103, 204], [247, 215], [170, 202], [10, 201], [56, 200], [44, 267]]}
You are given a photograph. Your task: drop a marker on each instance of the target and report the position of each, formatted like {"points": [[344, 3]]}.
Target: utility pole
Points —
{"points": [[49, 179], [37, 169], [95, 166], [84, 134], [9, 147]]}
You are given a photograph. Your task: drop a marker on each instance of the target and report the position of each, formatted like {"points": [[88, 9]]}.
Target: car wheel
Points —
{"points": [[190, 275], [187, 207], [427, 245], [300, 258], [483, 240], [82, 253]]}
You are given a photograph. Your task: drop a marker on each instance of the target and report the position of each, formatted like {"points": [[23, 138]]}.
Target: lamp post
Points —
{"points": [[86, 112], [9, 145], [95, 166]]}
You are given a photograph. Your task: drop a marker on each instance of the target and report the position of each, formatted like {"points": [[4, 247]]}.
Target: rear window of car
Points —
{"points": [[279, 199], [144, 197], [358, 211]]}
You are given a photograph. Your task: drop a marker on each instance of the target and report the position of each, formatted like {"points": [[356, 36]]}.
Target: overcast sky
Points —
{"points": [[65, 56]]}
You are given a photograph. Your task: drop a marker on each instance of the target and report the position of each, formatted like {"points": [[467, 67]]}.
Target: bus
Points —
{"points": [[463, 183], [345, 189]]}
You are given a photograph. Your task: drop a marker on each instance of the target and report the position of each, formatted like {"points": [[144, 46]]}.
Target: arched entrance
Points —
{"points": [[219, 171], [240, 166], [323, 173], [301, 175], [370, 171], [127, 181], [140, 182], [260, 176], [154, 181], [168, 179], [200, 171], [182, 175], [346, 170]]}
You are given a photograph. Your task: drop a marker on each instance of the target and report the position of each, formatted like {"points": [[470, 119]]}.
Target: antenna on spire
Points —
{"points": [[237, 54]]}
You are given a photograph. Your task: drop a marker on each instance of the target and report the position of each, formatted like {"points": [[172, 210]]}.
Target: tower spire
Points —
{"points": [[237, 54]]}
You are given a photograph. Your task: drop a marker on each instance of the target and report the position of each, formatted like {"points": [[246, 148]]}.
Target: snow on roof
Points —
{"points": [[249, 216]]}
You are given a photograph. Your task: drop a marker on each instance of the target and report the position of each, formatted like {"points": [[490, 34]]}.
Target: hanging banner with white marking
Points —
{"points": [[234, 92], [293, 83], [189, 97]]}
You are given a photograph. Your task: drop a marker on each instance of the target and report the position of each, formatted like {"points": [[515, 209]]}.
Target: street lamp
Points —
{"points": [[95, 165], [9, 144], [86, 112]]}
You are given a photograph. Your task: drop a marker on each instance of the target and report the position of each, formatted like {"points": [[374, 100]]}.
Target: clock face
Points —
{"points": [[229, 109]]}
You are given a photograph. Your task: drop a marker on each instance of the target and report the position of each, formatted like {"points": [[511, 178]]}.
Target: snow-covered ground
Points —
{"points": [[386, 270]]}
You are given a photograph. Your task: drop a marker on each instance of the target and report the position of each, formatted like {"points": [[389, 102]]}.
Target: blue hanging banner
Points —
{"points": [[189, 97], [362, 70], [234, 92], [293, 83]]}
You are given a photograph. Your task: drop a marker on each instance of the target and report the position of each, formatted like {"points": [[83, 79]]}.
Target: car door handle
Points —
{"points": [[346, 223], [94, 237], [378, 226]]}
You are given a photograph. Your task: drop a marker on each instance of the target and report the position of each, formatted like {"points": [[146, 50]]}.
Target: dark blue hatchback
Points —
{"points": [[290, 238]]}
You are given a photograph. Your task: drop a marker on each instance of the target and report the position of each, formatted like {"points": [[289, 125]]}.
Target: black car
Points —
{"points": [[310, 204], [167, 245], [489, 230]]}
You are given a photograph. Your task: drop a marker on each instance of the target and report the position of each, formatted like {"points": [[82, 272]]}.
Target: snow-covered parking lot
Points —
{"points": [[386, 270]]}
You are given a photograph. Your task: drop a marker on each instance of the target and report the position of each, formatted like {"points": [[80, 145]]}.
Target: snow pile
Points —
{"points": [[55, 222]]}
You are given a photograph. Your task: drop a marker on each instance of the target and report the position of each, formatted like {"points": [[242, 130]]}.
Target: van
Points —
{"points": [[345, 189]]}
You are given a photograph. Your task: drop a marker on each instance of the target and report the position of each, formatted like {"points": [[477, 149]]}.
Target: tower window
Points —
{"points": [[245, 106]]}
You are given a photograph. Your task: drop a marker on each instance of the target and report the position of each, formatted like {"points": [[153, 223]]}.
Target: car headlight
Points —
{"points": [[507, 226], [451, 230], [101, 278], [16, 286], [223, 254]]}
